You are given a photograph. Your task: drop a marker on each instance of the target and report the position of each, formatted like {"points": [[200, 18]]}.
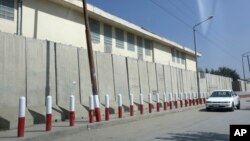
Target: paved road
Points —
{"points": [[191, 125]]}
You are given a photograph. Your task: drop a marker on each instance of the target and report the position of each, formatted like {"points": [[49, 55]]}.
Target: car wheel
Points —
{"points": [[238, 106], [208, 109], [232, 108]]}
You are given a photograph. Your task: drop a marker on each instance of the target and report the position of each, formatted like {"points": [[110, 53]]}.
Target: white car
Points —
{"points": [[223, 99]]}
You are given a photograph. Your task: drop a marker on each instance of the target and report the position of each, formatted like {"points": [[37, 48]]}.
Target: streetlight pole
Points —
{"points": [[196, 60], [243, 67]]}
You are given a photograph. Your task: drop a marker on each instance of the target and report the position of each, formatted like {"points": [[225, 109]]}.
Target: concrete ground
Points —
{"points": [[182, 124]]}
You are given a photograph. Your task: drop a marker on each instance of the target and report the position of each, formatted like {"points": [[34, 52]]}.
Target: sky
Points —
{"points": [[221, 40]]}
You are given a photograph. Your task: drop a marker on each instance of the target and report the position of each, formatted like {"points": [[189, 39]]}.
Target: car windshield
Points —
{"points": [[221, 94]]}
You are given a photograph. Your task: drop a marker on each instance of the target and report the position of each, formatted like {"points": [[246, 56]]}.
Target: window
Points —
{"points": [[119, 35], [95, 30], [173, 54], [131, 41], [107, 38], [139, 48], [7, 9], [178, 57], [183, 58], [148, 47]]}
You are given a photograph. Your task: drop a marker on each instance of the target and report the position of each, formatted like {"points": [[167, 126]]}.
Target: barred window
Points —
{"points": [[139, 48], [95, 30], [119, 35], [183, 58], [148, 47], [131, 41], [173, 54], [107, 38], [7, 9]]}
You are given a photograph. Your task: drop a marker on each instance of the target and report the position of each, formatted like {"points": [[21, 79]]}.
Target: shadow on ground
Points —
{"points": [[199, 136], [215, 110]]}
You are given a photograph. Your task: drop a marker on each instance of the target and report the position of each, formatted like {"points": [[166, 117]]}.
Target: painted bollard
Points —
{"points": [[91, 109], [119, 105], [170, 101], [150, 103], [107, 111], [72, 111], [141, 104], [97, 108], [186, 100], [165, 101], [193, 99], [176, 101], [48, 113], [131, 108], [190, 99], [181, 102], [158, 102], [21, 117]]}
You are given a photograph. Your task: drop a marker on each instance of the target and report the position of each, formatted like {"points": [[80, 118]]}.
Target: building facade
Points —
{"points": [[62, 21]]}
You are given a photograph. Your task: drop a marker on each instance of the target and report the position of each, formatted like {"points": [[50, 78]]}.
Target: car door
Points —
{"points": [[235, 98]]}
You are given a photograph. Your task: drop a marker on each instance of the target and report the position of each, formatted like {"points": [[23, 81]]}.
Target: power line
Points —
{"points": [[190, 27]]}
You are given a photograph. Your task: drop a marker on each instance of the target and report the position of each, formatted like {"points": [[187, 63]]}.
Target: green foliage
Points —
{"points": [[224, 71]]}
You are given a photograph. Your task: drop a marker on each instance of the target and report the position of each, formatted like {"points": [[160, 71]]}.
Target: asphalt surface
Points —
{"points": [[186, 124], [191, 125]]}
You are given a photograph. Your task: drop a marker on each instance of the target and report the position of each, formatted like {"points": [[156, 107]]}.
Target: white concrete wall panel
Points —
{"points": [[168, 79], [84, 75], [144, 81], [133, 78], [12, 69], [152, 77], [121, 78], [105, 78], [160, 79], [36, 52], [67, 75]]}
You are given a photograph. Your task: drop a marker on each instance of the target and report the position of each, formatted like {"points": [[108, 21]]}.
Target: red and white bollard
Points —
{"points": [[197, 98], [97, 108], [119, 105], [158, 102], [181, 98], [176, 101], [21, 117], [107, 111], [186, 99], [165, 101], [72, 110], [48, 113], [150, 106], [204, 98], [170, 101], [141, 104], [190, 99], [193, 98], [131, 105], [91, 109]]}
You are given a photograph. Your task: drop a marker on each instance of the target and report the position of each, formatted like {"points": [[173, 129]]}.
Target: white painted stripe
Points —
{"points": [[21, 112], [49, 104], [72, 103], [119, 100], [150, 98], [141, 98], [157, 98], [96, 101], [91, 102], [107, 101], [131, 99]]}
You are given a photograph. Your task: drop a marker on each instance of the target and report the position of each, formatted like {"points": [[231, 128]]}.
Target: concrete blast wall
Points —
{"points": [[36, 69]]}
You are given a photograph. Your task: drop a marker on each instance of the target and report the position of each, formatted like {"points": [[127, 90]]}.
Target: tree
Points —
{"points": [[227, 72]]}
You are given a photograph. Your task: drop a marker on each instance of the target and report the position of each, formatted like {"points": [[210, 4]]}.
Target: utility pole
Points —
{"points": [[91, 61]]}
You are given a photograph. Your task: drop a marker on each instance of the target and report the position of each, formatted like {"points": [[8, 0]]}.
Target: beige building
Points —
{"points": [[62, 21]]}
